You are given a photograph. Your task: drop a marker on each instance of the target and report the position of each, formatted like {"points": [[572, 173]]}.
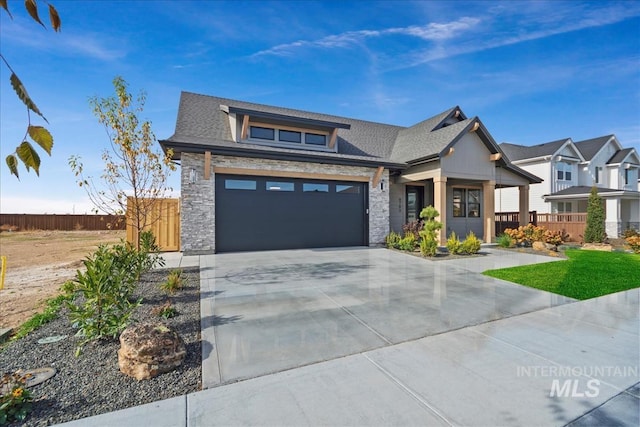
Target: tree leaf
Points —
{"points": [[3, 3], [42, 136], [29, 156], [32, 8], [54, 17], [12, 162], [21, 91]]}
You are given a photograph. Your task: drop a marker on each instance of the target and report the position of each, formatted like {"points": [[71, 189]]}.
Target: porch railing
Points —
{"points": [[506, 220]]}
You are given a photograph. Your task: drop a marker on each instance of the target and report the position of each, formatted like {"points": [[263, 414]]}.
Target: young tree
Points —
{"points": [[135, 171], [595, 232], [39, 134]]}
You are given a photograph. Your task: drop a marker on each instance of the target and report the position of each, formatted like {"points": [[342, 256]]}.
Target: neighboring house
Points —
{"points": [[569, 170], [258, 177]]}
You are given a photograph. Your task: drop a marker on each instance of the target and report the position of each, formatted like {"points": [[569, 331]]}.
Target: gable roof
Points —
{"points": [[420, 141], [620, 156], [517, 152], [590, 147]]}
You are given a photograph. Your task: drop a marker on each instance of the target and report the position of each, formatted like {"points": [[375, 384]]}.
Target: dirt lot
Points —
{"points": [[38, 262]]}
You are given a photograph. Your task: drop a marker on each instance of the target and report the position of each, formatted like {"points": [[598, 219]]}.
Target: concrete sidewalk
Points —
{"points": [[572, 363]]}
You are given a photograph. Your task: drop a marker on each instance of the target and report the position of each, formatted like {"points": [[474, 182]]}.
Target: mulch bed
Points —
{"points": [[92, 383]]}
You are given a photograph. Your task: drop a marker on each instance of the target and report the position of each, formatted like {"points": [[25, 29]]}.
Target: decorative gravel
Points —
{"points": [[92, 384]]}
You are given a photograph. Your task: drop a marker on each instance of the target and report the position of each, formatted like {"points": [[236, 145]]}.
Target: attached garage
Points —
{"points": [[255, 213]]}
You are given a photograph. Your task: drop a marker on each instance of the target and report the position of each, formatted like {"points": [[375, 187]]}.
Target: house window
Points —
{"points": [[466, 203], [459, 207], [563, 171], [290, 136], [565, 207], [627, 174], [262, 133], [287, 136], [598, 174], [315, 139], [473, 204]]}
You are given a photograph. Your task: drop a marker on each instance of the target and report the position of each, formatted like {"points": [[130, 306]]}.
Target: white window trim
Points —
{"points": [[284, 144]]}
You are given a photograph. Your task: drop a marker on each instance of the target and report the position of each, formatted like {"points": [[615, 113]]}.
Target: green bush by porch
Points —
{"points": [[585, 274]]}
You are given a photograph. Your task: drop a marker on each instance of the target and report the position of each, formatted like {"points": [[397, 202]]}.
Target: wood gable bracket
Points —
{"points": [[245, 127], [495, 157], [333, 138], [377, 177]]}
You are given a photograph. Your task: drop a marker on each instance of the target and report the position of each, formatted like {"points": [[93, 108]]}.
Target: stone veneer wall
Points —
{"points": [[197, 216]]}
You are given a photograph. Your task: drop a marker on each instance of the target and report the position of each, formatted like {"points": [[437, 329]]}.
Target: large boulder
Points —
{"points": [[149, 349]]}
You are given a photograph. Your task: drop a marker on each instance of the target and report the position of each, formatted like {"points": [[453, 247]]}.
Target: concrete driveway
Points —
{"points": [[528, 359], [266, 312]]}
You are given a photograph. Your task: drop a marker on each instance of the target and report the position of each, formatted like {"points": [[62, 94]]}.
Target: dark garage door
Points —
{"points": [[261, 213]]}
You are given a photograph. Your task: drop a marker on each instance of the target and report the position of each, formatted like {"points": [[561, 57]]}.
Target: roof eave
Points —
{"points": [[277, 155]]}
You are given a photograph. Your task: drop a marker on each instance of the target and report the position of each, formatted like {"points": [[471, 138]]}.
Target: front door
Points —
{"points": [[414, 202]]}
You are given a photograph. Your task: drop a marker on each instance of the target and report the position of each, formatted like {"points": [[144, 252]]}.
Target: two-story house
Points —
{"points": [[570, 169]]}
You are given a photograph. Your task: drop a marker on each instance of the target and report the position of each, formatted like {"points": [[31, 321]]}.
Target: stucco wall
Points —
{"points": [[198, 199]]}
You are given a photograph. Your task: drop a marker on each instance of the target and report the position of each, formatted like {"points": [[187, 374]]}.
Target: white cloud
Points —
{"points": [[87, 44], [429, 32]]}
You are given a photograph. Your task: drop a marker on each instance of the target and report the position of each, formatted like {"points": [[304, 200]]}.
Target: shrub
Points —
{"points": [[453, 243], [429, 233], [173, 283], [413, 227], [634, 243], [393, 240], [555, 237], [166, 311], [630, 232], [594, 232], [408, 242], [471, 244], [526, 235], [15, 402], [505, 241], [101, 306]]}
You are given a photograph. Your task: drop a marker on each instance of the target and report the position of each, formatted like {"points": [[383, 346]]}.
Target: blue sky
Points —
{"points": [[532, 71]]}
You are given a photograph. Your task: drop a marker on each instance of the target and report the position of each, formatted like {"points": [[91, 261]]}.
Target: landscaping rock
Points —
{"points": [[149, 349], [539, 246], [597, 247]]}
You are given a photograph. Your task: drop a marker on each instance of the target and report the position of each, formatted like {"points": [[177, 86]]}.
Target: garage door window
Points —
{"points": [[280, 186], [308, 187], [347, 189], [239, 184]]}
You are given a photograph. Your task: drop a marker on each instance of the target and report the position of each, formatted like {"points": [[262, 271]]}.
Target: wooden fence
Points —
{"points": [[572, 224], [164, 220], [22, 222]]}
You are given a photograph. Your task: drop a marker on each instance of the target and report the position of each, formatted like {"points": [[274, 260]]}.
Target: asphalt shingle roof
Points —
{"points": [[520, 152], [590, 147], [203, 121], [200, 118], [619, 156]]}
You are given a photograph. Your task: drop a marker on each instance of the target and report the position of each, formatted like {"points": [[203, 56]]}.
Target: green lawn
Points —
{"points": [[584, 275]]}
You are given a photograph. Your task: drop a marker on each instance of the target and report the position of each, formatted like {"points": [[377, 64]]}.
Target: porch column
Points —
{"points": [[613, 221], [488, 200], [523, 206], [440, 203]]}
